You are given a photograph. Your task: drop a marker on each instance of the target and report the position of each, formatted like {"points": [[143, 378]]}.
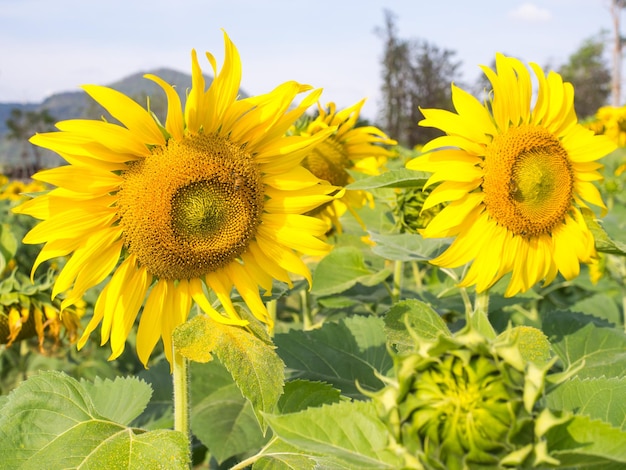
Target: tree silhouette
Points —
{"points": [[590, 75], [22, 126], [415, 74]]}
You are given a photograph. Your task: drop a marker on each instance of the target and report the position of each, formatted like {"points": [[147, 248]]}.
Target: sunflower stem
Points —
{"points": [[307, 315], [398, 271], [180, 377], [417, 275], [271, 306], [481, 302]]}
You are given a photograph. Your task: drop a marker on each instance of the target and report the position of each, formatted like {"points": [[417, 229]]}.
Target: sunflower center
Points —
{"points": [[328, 161], [528, 183], [192, 207]]}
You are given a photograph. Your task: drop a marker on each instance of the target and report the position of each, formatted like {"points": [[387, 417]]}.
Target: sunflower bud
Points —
{"points": [[408, 209], [464, 401]]}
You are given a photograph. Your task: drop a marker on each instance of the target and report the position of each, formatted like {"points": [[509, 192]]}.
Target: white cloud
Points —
{"points": [[530, 12]]}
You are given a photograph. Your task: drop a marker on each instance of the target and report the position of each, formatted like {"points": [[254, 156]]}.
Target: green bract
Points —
{"points": [[466, 401]]}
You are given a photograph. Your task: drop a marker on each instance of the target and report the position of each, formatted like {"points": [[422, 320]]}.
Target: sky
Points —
{"points": [[50, 46]]}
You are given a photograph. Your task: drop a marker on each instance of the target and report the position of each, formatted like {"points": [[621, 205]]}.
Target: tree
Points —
{"points": [[618, 44], [22, 126], [415, 74], [590, 75]]}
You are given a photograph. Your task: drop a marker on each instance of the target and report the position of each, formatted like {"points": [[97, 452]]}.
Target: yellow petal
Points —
{"points": [[224, 88], [174, 123], [149, 330], [296, 178], [81, 179], [268, 264], [132, 295], [221, 285], [249, 290], [198, 295], [284, 257], [297, 239], [112, 136], [298, 202], [128, 112]]}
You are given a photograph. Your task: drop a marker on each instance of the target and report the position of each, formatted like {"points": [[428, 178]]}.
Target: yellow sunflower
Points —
{"points": [[210, 201], [516, 178], [350, 147]]}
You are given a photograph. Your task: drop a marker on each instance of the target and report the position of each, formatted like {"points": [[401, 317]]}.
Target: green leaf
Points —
{"points": [[413, 316], [479, 320], [253, 364], [603, 241], [599, 398], [51, 413], [221, 418], [8, 245], [600, 305], [341, 269], [302, 394], [402, 178], [405, 246], [136, 395], [339, 354], [159, 412], [282, 456], [348, 431], [584, 441], [580, 339]]}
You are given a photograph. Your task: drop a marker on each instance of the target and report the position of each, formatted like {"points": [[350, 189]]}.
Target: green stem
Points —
{"points": [[307, 315], [180, 376], [271, 306], [417, 275], [481, 302], [398, 271], [624, 310], [250, 460]]}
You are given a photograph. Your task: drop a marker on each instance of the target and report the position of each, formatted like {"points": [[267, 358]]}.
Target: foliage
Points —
{"points": [[587, 70], [360, 370], [415, 74]]}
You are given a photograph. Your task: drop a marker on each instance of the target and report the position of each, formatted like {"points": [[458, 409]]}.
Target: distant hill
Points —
{"points": [[77, 104]]}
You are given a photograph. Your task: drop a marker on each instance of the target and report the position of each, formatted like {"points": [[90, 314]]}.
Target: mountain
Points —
{"points": [[77, 105]]}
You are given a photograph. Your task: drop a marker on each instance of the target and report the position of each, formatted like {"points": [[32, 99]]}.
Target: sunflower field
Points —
{"points": [[269, 283]]}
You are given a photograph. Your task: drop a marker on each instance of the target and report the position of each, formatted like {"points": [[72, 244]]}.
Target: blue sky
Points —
{"points": [[50, 46]]}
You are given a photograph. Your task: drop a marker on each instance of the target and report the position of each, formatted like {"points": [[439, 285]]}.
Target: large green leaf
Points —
{"points": [[354, 349], [583, 441], [51, 418], [405, 246], [348, 431], [282, 456], [401, 178], [583, 340], [599, 398], [221, 418], [159, 412], [412, 317], [253, 364], [302, 394], [341, 269], [136, 395], [339, 354]]}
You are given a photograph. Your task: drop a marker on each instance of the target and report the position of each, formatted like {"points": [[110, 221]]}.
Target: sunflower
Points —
{"points": [[350, 147], [210, 201], [517, 179]]}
